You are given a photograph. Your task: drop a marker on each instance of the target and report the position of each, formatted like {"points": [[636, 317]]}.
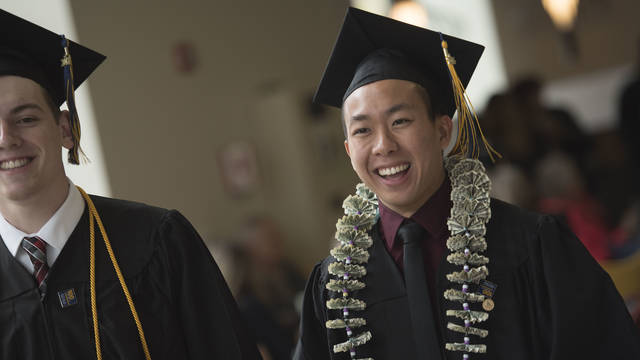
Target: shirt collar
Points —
{"points": [[432, 215], [55, 231]]}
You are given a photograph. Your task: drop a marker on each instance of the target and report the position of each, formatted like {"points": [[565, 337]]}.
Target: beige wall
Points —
{"points": [[607, 34], [161, 130]]}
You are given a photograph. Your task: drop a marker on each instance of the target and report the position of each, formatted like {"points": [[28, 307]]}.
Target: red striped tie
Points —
{"points": [[37, 250]]}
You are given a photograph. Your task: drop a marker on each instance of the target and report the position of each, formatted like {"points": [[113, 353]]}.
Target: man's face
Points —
{"points": [[394, 145], [30, 141]]}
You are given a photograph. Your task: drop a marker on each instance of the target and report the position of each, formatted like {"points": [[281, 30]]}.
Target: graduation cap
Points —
{"points": [[56, 63], [371, 47]]}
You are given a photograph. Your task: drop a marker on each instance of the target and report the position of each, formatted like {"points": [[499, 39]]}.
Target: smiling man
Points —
{"points": [[399, 160], [427, 265], [82, 276]]}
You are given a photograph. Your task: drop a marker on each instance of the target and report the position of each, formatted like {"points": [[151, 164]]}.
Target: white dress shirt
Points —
{"points": [[54, 232]]}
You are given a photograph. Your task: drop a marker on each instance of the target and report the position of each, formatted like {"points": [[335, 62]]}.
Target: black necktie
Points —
{"points": [[422, 322]]}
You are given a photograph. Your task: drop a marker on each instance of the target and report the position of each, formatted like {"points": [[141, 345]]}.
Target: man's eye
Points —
{"points": [[360, 131], [401, 121], [26, 120]]}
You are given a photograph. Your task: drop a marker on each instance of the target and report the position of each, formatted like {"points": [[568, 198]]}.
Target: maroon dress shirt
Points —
{"points": [[433, 217]]}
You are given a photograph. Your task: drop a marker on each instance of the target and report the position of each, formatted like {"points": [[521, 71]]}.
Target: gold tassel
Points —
{"points": [[468, 124], [75, 153]]}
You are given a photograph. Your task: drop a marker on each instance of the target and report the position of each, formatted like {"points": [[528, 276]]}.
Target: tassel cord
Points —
{"points": [[469, 130], [75, 154]]}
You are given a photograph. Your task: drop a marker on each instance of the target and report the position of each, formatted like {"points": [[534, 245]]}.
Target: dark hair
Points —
{"points": [[424, 95], [55, 110]]}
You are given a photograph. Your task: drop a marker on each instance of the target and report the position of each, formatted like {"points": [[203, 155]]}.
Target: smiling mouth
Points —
{"points": [[14, 164], [393, 171]]}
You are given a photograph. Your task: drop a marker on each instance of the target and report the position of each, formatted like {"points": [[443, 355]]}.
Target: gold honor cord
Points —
{"points": [[469, 129], [93, 216]]}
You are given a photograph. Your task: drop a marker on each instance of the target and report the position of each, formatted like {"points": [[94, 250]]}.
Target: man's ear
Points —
{"points": [[346, 148], [65, 129], [444, 126]]}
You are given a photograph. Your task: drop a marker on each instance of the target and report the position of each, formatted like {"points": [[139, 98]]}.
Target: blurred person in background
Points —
{"points": [[511, 130], [629, 113], [512, 135], [613, 182], [562, 191], [267, 287], [559, 131], [628, 169], [560, 170]]}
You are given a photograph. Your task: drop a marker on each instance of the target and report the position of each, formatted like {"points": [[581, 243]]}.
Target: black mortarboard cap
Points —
{"points": [[31, 51], [371, 47], [56, 63]]}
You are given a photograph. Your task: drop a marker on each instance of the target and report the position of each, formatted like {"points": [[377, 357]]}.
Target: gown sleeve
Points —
{"points": [[211, 323], [313, 344], [588, 318]]}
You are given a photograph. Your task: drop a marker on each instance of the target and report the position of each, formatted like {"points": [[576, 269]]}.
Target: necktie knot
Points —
{"points": [[36, 248], [411, 233]]}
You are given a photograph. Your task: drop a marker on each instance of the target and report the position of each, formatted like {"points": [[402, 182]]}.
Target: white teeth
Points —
{"points": [[12, 164], [393, 170]]}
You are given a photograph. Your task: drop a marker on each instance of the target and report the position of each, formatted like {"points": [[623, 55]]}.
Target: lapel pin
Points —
{"points": [[488, 289], [67, 298]]}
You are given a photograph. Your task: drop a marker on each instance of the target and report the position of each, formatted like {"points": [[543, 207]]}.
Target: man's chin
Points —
{"points": [[399, 204], [15, 192]]}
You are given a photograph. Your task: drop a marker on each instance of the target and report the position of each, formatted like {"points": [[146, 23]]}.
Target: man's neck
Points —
{"points": [[29, 215], [408, 211]]}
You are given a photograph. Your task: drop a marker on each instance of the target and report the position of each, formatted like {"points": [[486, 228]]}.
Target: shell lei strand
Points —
{"points": [[469, 214], [352, 233]]}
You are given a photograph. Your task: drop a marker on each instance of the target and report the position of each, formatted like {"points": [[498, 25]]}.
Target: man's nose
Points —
{"points": [[8, 136], [385, 143]]}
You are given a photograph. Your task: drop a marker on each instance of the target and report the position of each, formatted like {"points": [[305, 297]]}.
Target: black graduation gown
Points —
{"points": [[184, 304], [553, 300]]}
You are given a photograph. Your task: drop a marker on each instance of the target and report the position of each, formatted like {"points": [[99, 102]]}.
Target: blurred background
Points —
{"points": [[205, 107]]}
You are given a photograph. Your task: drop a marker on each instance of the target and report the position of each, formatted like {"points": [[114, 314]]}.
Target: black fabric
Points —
{"points": [[385, 64], [629, 117], [553, 300], [15, 63], [33, 52], [422, 321], [372, 47], [185, 307]]}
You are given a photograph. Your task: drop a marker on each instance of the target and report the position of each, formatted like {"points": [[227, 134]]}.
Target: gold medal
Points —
{"points": [[488, 304]]}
